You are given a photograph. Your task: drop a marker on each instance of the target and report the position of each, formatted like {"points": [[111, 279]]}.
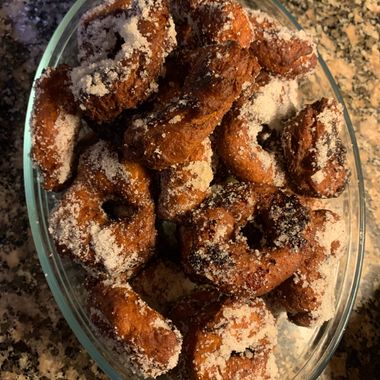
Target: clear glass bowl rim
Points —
{"points": [[52, 280]]}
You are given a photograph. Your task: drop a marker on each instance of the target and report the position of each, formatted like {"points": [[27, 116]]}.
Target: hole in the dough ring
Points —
{"points": [[284, 222], [268, 139], [248, 352], [117, 47], [253, 232], [118, 209]]}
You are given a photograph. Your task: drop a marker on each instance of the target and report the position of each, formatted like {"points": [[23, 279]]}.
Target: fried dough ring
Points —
{"points": [[55, 127], [240, 139], [215, 251], [225, 338], [124, 44], [185, 186], [308, 295], [279, 50], [148, 342], [81, 228], [214, 82], [315, 155], [239, 148]]}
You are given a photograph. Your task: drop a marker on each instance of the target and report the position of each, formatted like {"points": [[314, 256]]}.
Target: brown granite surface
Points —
{"points": [[35, 341]]}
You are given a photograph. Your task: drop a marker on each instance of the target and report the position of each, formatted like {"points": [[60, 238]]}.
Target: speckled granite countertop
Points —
{"points": [[35, 341]]}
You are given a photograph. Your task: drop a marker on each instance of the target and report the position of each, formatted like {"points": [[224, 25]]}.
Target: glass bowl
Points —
{"points": [[302, 353]]}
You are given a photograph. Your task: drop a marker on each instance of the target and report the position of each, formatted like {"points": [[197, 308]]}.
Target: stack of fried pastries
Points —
{"points": [[191, 177]]}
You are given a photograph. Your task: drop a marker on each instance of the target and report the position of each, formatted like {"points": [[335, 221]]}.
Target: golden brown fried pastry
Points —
{"points": [[219, 245], [122, 45], [55, 127], [161, 283], [314, 154], [173, 133], [279, 50], [223, 20], [204, 22], [117, 244], [149, 344], [308, 296], [184, 186], [225, 338]]}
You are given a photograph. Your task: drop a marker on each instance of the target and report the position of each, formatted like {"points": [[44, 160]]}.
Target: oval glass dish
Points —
{"points": [[302, 353]]}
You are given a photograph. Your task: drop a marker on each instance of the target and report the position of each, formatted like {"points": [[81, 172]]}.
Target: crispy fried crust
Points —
{"points": [[279, 50], [223, 20], [200, 22], [185, 186], [161, 283], [314, 153], [117, 245], [173, 133], [224, 338], [123, 45], [215, 251], [55, 127], [150, 343], [305, 295]]}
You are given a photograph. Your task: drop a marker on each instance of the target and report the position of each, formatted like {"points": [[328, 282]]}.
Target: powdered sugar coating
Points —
{"points": [[100, 158], [273, 102], [98, 73], [330, 238], [273, 29], [109, 252], [64, 225], [200, 171], [332, 120], [66, 129]]}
